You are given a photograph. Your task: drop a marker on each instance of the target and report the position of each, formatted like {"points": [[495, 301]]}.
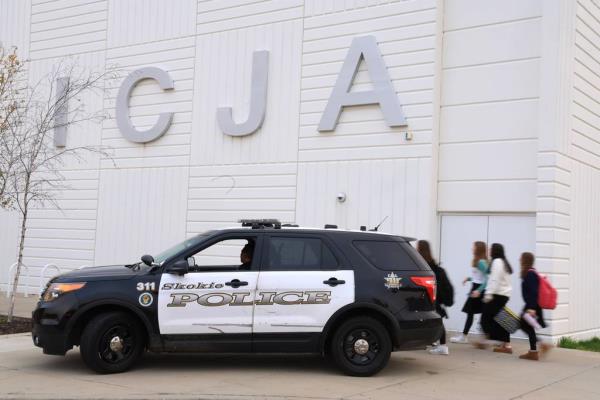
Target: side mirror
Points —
{"points": [[191, 262], [179, 267], [148, 260]]}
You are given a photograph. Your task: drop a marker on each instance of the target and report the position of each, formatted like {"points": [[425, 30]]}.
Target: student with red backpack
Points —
{"points": [[536, 293]]}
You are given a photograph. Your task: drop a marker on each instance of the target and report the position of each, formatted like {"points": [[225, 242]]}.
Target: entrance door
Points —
{"points": [[217, 295], [458, 232]]}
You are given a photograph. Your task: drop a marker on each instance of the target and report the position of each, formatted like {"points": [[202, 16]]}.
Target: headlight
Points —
{"points": [[56, 289]]}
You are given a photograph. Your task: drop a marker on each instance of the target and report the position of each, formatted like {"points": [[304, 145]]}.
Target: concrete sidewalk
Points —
{"points": [[23, 305], [25, 373]]}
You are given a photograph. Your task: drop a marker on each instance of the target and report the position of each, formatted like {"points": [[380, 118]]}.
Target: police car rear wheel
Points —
{"points": [[111, 342], [361, 346]]}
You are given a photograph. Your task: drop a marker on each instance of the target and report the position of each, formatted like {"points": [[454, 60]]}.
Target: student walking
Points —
{"points": [[478, 279], [445, 293], [496, 296], [532, 316]]}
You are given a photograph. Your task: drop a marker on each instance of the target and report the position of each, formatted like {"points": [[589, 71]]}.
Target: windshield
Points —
{"points": [[170, 252]]}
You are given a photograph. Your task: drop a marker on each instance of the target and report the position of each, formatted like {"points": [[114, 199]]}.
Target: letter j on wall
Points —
{"points": [[122, 107], [258, 100]]}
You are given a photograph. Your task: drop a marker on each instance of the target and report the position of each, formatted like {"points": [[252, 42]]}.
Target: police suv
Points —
{"points": [[353, 296]]}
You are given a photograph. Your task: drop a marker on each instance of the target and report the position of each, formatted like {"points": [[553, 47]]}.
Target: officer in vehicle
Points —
{"points": [[246, 256]]}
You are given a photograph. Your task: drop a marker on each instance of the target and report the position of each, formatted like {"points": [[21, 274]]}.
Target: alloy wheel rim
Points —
{"points": [[116, 345], [361, 346]]}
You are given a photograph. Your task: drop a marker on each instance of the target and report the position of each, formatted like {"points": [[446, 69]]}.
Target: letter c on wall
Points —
{"points": [[122, 111]]}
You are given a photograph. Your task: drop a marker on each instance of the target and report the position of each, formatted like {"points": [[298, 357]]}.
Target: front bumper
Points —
{"points": [[50, 339], [50, 321]]}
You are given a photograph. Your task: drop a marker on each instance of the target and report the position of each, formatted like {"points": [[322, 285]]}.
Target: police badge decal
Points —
{"points": [[146, 299], [393, 282]]}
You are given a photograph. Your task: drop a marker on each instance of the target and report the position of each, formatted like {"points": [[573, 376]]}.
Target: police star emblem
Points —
{"points": [[393, 282]]}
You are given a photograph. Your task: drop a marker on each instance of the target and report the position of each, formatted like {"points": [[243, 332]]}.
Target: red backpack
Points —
{"points": [[547, 294]]}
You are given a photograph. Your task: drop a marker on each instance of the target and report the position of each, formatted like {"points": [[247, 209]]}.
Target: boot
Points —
{"points": [[530, 355], [503, 349], [545, 348]]}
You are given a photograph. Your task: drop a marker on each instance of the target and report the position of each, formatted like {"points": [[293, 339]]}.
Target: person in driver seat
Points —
{"points": [[246, 255]]}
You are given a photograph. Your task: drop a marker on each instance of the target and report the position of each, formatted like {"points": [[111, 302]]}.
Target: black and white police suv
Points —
{"points": [[353, 296]]}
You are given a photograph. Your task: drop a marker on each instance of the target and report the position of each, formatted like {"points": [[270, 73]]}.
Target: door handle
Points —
{"points": [[236, 283], [334, 281]]}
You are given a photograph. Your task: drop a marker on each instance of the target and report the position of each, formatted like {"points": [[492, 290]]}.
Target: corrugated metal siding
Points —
{"points": [[140, 211], [489, 105], [14, 29], [67, 27], [586, 95], [9, 240], [148, 100], [374, 189], [319, 7], [584, 305], [63, 232], [142, 21], [223, 70], [224, 15], [405, 33], [220, 195], [584, 151]]}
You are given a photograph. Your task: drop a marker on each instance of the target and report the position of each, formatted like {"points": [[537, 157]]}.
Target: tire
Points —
{"points": [[346, 351], [95, 347]]}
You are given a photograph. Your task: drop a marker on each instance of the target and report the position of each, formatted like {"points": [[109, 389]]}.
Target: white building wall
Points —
{"points": [[489, 106], [14, 32], [507, 89], [64, 233], [381, 173], [584, 152]]}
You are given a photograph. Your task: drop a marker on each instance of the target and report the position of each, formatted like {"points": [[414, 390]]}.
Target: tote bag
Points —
{"points": [[508, 320]]}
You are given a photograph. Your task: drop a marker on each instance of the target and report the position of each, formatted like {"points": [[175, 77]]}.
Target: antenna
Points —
{"points": [[377, 227]]}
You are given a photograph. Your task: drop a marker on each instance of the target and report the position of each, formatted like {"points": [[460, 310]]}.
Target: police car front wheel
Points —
{"points": [[111, 342], [361, 346]]}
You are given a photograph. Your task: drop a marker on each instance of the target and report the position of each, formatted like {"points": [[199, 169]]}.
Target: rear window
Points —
{"points": [[387, 255]]}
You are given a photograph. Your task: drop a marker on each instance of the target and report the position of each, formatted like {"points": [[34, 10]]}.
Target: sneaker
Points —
{"points": [[530, 355], [462, 339], [441, 350]]}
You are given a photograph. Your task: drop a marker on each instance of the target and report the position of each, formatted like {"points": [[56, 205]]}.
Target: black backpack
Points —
{"points": [[445, 290]]}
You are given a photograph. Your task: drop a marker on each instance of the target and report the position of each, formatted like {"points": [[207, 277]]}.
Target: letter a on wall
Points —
{"points": [[383, 93], [122, 112], [258, 100]]}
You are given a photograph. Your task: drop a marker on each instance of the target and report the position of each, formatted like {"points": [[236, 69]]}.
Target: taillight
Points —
{"points": [[428, 282]]}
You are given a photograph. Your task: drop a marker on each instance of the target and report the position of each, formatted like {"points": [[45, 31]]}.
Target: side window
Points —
{"points": [[386, 255], [287, 253], [228, 254]]}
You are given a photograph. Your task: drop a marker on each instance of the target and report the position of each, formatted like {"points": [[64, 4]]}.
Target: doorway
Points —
{"points": [[457, 234]]}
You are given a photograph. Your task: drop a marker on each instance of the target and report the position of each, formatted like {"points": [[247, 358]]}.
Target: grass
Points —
{"points": [[587, 345]]}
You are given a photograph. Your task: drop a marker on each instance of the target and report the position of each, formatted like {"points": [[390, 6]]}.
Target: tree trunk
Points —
{"points": [[11, 303]]}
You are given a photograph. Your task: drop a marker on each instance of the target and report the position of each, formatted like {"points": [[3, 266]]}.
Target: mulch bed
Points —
{"points": [[18, 325]]}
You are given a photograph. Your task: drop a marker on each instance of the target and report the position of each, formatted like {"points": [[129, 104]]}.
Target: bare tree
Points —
{"points": [[11, 71], [42, 111]]}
